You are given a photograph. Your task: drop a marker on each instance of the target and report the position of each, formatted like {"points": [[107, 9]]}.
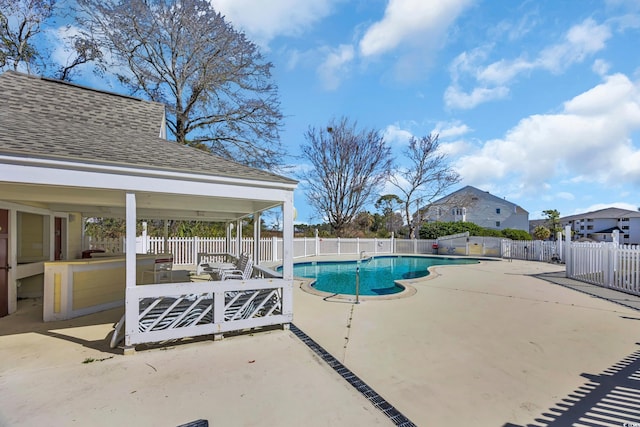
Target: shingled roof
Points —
{"points": [[51, 119]]}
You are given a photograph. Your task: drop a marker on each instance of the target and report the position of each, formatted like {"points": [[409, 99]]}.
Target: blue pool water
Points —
{"points": [[377, 275]]}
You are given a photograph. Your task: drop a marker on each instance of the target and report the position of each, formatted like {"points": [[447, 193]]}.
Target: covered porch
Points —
{"points": [[70, 152], [156, 311]]}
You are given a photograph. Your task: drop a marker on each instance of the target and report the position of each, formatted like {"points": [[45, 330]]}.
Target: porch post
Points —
{"points": [[228, 238], [287, 256], [166, 236], [239, 237], [256, 238], [131, 300]]}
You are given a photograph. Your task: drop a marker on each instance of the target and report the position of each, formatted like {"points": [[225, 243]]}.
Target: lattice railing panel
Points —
{"points": [[175, 312]]}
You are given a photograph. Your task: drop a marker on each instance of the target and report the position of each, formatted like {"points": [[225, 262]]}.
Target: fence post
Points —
{"points": [[567, 248], [317, 243], [392, 243], [274, 248], [415, 246], [338, 246]]}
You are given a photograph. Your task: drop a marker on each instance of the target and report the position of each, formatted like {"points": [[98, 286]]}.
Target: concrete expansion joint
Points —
{"points": [[348, 333]]}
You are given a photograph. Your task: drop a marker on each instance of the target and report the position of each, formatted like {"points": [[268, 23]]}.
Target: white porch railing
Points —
{"points": [[178, 310]]}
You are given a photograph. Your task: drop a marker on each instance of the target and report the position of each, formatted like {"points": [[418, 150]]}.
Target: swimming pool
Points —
{"points": [[377, 274]]}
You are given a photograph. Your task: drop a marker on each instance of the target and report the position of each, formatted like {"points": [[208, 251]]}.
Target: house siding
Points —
{"points": [[478, 207]]}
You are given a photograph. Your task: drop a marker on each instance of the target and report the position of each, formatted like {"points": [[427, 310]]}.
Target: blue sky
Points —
{"points": [[535, 101]]}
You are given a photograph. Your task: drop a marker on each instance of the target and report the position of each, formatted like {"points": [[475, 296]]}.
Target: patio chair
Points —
{"points": [[241, 273]]}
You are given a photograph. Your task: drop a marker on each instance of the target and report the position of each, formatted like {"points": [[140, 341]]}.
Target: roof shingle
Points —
{"points": [[50, 119]]}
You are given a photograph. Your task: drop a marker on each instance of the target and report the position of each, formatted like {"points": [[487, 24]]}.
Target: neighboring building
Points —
{"points": [[470, 204], [599, 225]]}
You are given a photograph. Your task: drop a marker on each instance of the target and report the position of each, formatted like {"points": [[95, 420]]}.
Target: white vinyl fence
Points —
{"points": [[609, 265], [186, 249], [533, 250], [606, 264]]}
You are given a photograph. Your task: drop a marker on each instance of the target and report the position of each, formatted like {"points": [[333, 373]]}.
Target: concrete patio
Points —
{"points": [[488, 344]]}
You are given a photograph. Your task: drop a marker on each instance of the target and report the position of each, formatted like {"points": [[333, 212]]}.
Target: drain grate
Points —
{"points": [[376, 400]]}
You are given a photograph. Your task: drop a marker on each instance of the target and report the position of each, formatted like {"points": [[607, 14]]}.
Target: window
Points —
{"points": [[625, 227], [589, 227], [498, 211], [458, 211], [626, 236], [582, 227], [625, 219], [33, 240], [589, 220], [497, 223]]}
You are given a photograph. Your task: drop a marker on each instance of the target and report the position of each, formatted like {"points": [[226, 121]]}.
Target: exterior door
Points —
{"points": [[4, 262], [58, 239]]}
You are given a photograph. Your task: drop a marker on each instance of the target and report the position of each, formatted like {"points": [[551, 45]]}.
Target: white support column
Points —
{"points": [[256, 238], [317, 237], [239, 237], [229, 231], [131, 299], [274, 249], [166, 236], [287, 256]]}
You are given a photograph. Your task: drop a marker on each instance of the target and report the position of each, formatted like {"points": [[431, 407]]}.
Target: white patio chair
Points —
{"points": [[241, 273]]}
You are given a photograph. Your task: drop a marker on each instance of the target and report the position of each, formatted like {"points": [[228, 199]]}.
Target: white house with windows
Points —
{"points": [[470, 204], [599, 225]]}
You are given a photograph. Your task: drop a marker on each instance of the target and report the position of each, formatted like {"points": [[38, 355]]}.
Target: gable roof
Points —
{"points": [[51, 119], [480, 194], [607, 213]]}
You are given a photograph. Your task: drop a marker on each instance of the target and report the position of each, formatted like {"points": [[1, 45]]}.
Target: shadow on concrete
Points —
{"points": [[609, 399]]}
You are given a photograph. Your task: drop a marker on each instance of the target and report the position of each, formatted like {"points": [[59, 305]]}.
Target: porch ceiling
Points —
{"points": [[91, 202]]}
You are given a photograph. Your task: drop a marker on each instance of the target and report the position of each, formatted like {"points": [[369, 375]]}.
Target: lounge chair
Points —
{"points": [[242, 272]]}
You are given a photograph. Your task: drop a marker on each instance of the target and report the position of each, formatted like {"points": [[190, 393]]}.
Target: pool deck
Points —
{"points": [[490, 344]]}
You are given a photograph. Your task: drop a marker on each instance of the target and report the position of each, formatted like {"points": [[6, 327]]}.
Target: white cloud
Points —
{"points": [[455, 97], [451, 129], [263, 21], [601, 67], [455, 148], [410, 21], [589, 141], [336, 66], [394, 135], [581, 41], [565, 196]]}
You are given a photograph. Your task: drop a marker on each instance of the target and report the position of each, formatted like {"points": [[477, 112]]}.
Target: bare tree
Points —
{"points": [[215, 82], [428, 176], [17, 41], [84, 50], [349, 166]]}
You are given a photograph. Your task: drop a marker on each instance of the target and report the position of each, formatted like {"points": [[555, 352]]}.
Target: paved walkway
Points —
{"points": [[489, 344]]}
